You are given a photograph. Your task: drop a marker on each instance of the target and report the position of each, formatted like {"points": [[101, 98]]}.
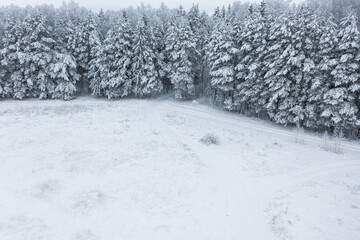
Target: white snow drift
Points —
{"points": [[134, 169]]}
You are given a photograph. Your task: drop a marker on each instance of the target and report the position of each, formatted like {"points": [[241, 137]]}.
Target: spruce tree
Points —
{"points": [[12, 59], [181, 46], [222, 60], [116, 59], [197, 26], [303, 62], [340, 99], [321, 82], [145, 76], [84, 46], [103, 23], [161, 59], [253, 41], [277, 84], [98, 70], [64, 69], [63, 74], [38, 52]]}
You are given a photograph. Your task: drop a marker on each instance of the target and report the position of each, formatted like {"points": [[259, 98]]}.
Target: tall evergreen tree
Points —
{"points": [[98, 70], [197, 26], [303, 62], [115, 60], [39, 44], [277, 84], [321, 79], [159, 32], [64, 69], [12, 58], [253, 41], [259, 64], [145, 76], [181, 45], [84, 45], [340, 99], [222, 59], [63, 74], [103, 23]]}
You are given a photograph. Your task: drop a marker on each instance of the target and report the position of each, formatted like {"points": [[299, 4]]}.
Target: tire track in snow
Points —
{"points": [[354, 148], [271, 185], [244, 219]]}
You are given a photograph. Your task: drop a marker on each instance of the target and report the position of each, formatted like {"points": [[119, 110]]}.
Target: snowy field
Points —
{"points": [[137, 169]]}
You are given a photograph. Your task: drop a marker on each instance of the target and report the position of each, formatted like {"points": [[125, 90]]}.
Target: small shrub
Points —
{"points": [[210, 139]]}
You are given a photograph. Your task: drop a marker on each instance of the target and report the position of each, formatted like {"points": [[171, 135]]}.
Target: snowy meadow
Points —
{"points": [[159, 123], [135, 169]]}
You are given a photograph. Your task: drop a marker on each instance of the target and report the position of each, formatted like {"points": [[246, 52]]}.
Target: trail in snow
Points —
{"points": [[248, 123], [268, 188], [237, 209]]}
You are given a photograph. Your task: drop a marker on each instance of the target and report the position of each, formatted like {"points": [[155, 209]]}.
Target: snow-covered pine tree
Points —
{"points": [[253, 41], [116, 59], [98, 70], [125, 56], [223, 13], [303, 62], [205, 33], [61, 30], [103, 23], [340, 99], [245, 58], [326, 61], [277, 84], [65, 30], [230, 17], [12, 72], [198, 27], [84, 45], [289, 67], [181, 46], [38, 51], [67, 26], [161, 25], [145, 76], [222, 60], [159, 32], [180, 12], [256, 70], [63, 73], [207, 52]]}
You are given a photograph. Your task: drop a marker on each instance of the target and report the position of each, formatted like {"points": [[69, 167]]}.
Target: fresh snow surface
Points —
{"points": [[140, 169]]}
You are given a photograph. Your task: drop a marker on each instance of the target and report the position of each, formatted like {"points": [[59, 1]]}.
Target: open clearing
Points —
{"points": [[148, 169]]}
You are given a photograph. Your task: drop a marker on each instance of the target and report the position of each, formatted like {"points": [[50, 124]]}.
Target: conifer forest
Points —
{"points": [[162, 121]]}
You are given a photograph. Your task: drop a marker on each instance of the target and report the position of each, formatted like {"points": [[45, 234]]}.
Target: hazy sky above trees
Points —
{"points": [[206, 5]]}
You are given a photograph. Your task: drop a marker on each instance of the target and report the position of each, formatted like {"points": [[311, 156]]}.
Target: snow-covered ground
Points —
{"points": [[138, 169]]}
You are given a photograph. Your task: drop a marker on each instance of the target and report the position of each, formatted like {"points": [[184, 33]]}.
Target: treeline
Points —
{"points": [[295, 64], [299, 67]]}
